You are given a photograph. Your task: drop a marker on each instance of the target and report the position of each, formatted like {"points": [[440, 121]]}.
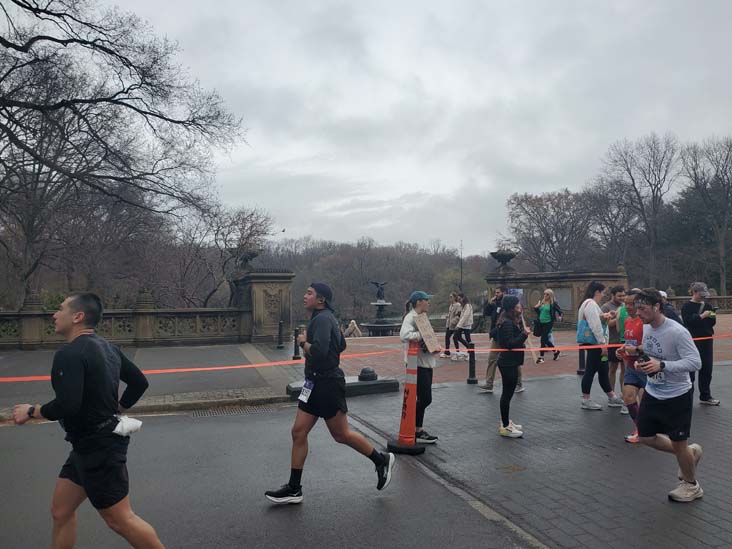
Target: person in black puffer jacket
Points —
{"points": [[512, 335]]}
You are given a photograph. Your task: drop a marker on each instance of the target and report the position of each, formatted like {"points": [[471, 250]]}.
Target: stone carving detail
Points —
{"points": [[123, 326], [187, 325], [166, 326], [209, 324], [105, 327], [229, 325], [272, 300], [9, 329], [50, 328]]}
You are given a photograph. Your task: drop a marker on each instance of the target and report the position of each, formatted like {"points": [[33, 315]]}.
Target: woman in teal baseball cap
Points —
{"points": [[418, 303]]}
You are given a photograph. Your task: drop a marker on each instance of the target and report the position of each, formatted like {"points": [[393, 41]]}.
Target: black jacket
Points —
{"points": [[670, 312], [492, 309], [326, 345], [698, 326], [511, 336], [555, 311]]}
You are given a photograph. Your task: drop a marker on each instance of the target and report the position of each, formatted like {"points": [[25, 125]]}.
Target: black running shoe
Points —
{"points": [[384, 471], [556, 355], [423, 437], [286, 494]]}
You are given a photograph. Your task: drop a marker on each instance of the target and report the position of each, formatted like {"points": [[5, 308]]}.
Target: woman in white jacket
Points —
{"points": [[419, 302], [596, 359], [464, 326]]}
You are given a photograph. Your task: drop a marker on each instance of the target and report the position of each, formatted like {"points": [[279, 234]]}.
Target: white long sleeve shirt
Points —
{"points": [[590, 311]]}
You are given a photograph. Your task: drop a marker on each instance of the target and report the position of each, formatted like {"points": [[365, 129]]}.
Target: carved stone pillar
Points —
{"points": [[144, 318], [265, 297], [32, 322]]}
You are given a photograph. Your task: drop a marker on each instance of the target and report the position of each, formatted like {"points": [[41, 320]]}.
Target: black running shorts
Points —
{"points": [[102, 472], [327, 398], [670, 417]]}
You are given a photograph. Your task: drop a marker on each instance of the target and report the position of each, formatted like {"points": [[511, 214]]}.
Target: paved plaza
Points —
{"points": [[571, 481]]}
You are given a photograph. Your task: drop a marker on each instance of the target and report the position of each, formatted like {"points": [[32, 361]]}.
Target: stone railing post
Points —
{"points": [[32, 322], [265, 298], [143, 318]]}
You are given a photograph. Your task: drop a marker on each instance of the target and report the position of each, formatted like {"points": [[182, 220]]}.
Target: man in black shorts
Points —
{"points": [[324, 395], [664, 417], [85, 376]]}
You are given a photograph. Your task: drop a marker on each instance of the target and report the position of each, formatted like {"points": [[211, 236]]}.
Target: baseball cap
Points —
{"points": [[700, 287], [325, 291], [417, 295]]}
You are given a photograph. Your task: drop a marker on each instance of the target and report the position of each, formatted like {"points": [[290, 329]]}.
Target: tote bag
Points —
{"points": [[585, 334]]}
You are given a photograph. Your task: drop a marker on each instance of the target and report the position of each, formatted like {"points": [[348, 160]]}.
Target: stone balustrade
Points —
{"points": [[262, 300]]}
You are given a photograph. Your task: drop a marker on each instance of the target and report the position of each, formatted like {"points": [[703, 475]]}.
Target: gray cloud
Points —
{"points": [[415, 120]]}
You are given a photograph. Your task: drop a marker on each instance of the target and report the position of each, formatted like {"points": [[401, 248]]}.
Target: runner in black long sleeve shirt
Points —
{"points": [[85, 376], [699, 318]]}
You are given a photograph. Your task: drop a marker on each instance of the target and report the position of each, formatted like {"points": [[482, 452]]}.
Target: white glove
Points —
{"points": [[127, 425]]}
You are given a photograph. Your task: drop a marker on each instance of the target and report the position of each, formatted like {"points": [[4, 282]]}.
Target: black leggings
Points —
{"points": [[706, 352], [595, 364], [450, 334], [462, 335], [509, 376], [424, 393], [546, 329]]}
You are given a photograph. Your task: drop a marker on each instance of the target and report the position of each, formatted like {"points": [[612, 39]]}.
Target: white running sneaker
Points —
{"points": [[512, 424], [686, 491], [588, 404], [455, 357], [520, 389], [511, 431], [614, 402], [443, 355], [624, 410]]}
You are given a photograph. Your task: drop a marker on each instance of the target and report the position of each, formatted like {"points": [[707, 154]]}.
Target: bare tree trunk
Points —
{"points": [[722, 252]]}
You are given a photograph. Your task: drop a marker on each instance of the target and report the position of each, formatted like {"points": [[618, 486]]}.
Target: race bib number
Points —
{"points": [[307, 388], [659, 378]]}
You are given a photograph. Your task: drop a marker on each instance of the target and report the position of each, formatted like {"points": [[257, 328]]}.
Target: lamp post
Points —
{"points": [[461, 265]]}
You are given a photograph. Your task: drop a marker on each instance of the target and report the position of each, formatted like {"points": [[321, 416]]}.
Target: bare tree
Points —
{"points": [[102, 64], [211, 246], [551, 230], [613, 221], [648, 168], [708, 168]]}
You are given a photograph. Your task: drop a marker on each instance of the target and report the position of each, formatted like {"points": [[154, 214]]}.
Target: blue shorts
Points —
{"points": [[634, 377]]}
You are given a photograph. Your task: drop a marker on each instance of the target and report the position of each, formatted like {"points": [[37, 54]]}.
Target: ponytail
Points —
{"points": [[407, 308]]}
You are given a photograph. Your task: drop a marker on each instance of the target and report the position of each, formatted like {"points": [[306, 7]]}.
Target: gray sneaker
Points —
{"points": [[696, 449], [686, 491], [485, 388], [590, 405], [614, 402], [520, 389], [624, 410]]}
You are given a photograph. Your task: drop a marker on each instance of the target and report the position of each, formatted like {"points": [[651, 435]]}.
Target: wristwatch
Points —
{"points": [[31, 411], [663, 365]]}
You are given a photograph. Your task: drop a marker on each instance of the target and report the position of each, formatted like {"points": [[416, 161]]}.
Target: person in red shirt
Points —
{"points": [[634, 381]]}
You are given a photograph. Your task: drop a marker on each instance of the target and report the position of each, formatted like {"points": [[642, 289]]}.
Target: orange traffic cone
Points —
{"points": [[406, 443]]}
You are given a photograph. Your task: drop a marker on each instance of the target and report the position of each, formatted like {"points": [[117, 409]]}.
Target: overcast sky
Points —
{"points": [[415, 120]]}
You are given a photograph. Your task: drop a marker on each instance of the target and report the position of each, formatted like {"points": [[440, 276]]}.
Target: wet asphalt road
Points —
{"points": [[200, 482]]}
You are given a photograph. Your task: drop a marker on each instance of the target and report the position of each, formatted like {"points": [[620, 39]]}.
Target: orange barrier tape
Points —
{"points": [[23, 379]]}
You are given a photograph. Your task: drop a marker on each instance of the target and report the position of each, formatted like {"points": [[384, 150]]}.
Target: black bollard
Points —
{"points": [[296, 351], [280, 343], [472, 380], [581, 369]]}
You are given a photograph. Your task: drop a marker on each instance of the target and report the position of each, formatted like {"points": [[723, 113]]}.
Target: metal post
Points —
{"points": [[581, 369], [296, 347], [472, 380], [280, 327]]}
